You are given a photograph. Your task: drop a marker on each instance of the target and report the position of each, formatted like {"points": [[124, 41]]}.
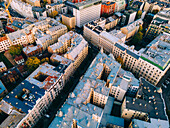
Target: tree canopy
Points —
{"points": [[53, 14], [140, 28], [137, 38], [139, 14], [15, 50], [155, 11], [120, 60], [44, 60], [32, 63]]}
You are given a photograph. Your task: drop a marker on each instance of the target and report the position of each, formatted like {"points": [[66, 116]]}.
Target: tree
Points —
{"points": [[140, 28], [155, 11], [139, 14], [44, 60], [53, 14], [120, 60], [32, 63], [137, 38], [15, 50]]}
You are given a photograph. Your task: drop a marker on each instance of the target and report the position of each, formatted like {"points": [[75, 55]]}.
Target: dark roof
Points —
{"points": [[151, 96], [61, 68], [21, 104], [17, 58], [38, 9], [108, 3], [17, 24], [120, 47], [132, 54], [68, 15], [127, 51]]}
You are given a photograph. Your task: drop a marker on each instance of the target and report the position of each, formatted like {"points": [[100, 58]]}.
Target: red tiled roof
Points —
{"points": [[3, 38], [17, 58]]}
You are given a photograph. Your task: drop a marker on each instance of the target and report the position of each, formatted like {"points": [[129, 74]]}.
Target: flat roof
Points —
{"points": [[27, 104], [83, 4], [2, 87], [157, 52], [152, 103]]}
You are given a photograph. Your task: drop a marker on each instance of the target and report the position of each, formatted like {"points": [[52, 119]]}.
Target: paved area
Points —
{"points": [[9, 57]]}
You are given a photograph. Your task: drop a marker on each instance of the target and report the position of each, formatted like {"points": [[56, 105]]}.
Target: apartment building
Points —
{"points": [[22, 8], [159, 24], [54, 7], [152, 67], [34, 95], [90, 105], [19, 59], [107, 8], [32, 50], [120, 4], [148, 106], [111, 22], [131, 29], [4, 43], [57, 31], [72, 49], [69, 20], [130, 16], [34, 2], [44, 32], [84, 9], [153, 123], [2, 67], [90, 101]]}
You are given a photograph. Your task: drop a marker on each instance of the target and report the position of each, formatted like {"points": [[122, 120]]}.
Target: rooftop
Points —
{"points": [[83, 4], [2, 65], [24, 96], [158, 51], [18, 58], [130, 27], [31, 48], [16, 35], [44, 78], [154, 123], [151, 101], [62, 60], [2, 87], [3, 38], [118, 34], [66, 115]]}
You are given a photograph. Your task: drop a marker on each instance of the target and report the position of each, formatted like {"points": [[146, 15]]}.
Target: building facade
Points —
{"points": [[143, 63], [107, 8], [81, 11]]}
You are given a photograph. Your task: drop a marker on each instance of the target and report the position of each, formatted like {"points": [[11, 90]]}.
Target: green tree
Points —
{"points": [[32, 63], [155, 11], [139, 14], [15, 50], [44, 60], [137, 38]]}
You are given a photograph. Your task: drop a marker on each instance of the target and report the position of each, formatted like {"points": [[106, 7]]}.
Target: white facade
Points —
{"points": [[4, 44], [152, 67], [22, 8], [85, 15]]}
